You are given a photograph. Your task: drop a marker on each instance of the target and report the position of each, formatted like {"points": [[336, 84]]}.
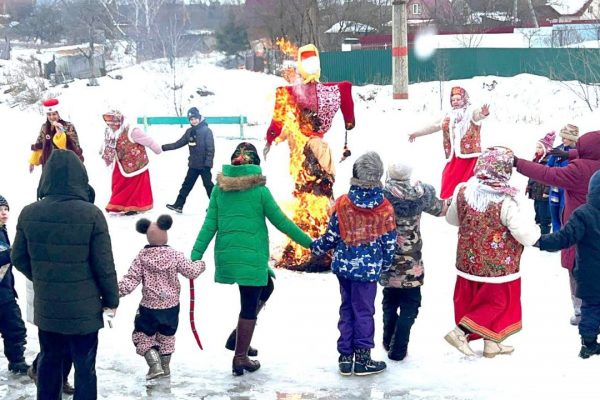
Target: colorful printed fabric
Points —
{"points": [[494, 169], [485, 248]]}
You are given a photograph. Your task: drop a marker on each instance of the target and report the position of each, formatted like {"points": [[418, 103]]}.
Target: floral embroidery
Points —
{"points": [[485, 246], [132, 156]]}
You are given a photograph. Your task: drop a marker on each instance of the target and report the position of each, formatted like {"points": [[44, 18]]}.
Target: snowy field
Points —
{"points": [[297, 331]]}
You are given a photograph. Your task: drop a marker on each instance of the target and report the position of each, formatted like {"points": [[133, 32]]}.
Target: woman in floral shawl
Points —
{"points": [[491, 236], [125, 146], [461, 128]]}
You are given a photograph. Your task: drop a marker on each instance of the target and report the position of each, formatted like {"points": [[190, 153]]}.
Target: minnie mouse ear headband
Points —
{"points": [[156, 232]]}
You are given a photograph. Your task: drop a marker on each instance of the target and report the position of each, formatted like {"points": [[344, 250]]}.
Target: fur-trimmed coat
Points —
{"points": [[239, 206]]}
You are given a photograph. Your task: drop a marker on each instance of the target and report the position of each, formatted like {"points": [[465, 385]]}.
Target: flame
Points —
{"points": [[291, 50], [287, 47], [310, 211]]}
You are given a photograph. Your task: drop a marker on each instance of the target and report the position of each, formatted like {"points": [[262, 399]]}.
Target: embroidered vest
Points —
{"points": [[485, 246], [131, 155], [363, 225], [470, 143]]}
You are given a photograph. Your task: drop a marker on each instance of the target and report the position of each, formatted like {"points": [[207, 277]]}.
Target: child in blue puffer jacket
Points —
{"points": [[362, 235]]}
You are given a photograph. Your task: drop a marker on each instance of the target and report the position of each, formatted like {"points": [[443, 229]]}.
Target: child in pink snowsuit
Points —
{"points": [[156, 267]]}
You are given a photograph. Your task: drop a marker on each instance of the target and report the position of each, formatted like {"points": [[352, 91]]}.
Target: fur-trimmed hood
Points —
{"points": [[240, 177]]}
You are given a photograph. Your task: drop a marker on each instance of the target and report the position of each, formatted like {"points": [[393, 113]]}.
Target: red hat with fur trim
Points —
{"points": [[50, 105]]}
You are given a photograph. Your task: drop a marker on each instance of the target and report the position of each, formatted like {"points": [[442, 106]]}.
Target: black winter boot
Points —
{"points": [[175, 207], [345, 363], [363, 365], [589, 348], [18, 367], [399, 344]]}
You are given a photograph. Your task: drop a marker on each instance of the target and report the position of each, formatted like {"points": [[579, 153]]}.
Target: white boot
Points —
{"points": [[457, 338], [492, 349]]}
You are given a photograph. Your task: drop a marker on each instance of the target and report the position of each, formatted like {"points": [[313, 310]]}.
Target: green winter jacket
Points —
{"points": [[238, 206]]}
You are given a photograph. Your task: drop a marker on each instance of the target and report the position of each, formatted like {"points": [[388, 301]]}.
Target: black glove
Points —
{"points": [[537, 244], [515, 160], [559, 153]]}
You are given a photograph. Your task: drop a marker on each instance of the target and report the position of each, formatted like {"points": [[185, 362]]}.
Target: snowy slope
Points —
{"points": [[297, 331]]}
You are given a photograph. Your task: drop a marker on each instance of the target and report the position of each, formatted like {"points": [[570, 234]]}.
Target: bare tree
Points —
{"points": [[91, 23], [171, 36], [583, 65]]}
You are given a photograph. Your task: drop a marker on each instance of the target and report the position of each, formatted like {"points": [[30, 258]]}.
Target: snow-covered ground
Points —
{"points": [[297, 331]]}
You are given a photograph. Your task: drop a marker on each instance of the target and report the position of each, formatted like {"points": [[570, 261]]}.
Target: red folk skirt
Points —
{"points": [[130, 193], [488, 310], [457, 170]]}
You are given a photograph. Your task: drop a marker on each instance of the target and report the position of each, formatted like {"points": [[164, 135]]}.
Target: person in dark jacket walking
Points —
{"points": [[402, 282], [200, 142], [12, 326], [63, 246], [538, 192], [583, 230]]}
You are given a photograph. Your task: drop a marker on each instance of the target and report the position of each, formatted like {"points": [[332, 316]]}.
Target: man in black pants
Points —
{"points": [[201, 144], [63, 246]]}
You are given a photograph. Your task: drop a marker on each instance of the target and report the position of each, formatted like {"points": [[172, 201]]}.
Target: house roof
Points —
{"points": [[569, 7], [443, 8], [350, 27]]}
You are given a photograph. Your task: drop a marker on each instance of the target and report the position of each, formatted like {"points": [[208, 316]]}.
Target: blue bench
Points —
{"points": [[239, 120]]}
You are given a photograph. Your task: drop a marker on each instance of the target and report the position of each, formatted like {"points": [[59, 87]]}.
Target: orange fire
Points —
{"points": [[287, 47], [309, 210], [290, 50]]}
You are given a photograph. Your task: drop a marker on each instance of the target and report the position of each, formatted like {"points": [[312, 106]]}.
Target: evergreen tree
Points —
{"points": [[232, 37]]}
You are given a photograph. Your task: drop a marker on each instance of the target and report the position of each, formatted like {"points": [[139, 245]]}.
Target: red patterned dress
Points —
{"points": [[131, 188], [487, 295]]}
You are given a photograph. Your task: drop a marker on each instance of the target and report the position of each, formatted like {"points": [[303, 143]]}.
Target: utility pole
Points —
{"points": [[399, 49]]}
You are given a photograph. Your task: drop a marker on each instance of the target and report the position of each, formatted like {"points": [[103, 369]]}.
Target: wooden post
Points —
{"points": [[399, 50]]}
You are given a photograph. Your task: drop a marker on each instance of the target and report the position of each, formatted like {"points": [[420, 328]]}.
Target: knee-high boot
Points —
{"points": [[241, 362], [230, 344]]}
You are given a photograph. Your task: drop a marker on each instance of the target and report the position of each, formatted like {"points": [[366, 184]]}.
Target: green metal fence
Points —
{"points": [[375, 66]]}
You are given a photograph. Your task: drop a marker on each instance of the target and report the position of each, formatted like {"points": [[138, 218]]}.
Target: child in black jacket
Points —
{"points": [[200, 142], [583, 231], [12, 326]]}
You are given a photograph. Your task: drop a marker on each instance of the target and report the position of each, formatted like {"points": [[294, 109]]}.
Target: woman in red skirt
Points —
{"points": [[125, 146], [491, 236], [461, 128]]}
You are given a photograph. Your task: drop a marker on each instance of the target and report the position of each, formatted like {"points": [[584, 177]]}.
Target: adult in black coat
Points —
{"points": [[200, 142], [63, 246], [583, 231]]}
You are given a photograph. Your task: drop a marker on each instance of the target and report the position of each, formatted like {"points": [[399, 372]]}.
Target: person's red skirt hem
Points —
{"points": [[130, 193], [488, 310]]}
